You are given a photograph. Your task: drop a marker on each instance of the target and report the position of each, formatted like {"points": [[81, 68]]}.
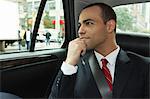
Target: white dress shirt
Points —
{"points": [[68, 69]]}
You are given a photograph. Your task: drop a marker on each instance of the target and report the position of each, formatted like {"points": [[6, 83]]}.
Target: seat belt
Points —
{"points": [[99, 77]]}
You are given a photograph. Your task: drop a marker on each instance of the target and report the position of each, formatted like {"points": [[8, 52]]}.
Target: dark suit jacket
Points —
{"points": [[131, 79]]}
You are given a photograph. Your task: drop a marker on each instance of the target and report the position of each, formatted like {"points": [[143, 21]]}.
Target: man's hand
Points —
{"points": [[77, 47]]}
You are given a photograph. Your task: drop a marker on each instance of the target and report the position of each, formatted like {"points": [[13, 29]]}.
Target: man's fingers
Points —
{"points": [[79, 45], [84, 45], [83, 52]]}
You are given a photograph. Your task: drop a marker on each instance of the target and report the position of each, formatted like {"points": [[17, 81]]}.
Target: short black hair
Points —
{"points": [[107, 12]]}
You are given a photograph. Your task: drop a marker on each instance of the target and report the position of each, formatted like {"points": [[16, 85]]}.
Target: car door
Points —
{"points": [[29, 73]]}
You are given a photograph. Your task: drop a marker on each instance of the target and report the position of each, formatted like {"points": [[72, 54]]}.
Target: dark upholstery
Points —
{"points": [[4, 95]]}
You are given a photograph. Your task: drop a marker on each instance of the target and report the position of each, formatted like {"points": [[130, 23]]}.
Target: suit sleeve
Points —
{"points": [[63, 86]]}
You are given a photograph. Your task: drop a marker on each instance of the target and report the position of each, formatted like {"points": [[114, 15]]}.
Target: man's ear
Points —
{"points": [[111, 24]]}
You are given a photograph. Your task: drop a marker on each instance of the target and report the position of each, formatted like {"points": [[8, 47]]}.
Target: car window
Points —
{"points": [[51, 32], [17, 21], [133, 18]]}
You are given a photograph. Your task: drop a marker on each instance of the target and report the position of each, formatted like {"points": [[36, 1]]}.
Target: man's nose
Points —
{"points": [[81, 30]]}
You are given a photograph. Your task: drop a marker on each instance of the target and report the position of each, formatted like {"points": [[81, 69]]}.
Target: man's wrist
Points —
{"points": [[68, 61]]}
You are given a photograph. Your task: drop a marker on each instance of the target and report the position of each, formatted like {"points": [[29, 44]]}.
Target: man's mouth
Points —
{"points": [[84, 37]]}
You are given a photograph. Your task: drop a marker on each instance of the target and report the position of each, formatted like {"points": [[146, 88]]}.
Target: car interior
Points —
{"points": [[31, 74]]}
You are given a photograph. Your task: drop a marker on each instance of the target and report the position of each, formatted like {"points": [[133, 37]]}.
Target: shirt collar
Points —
{"points": [[111, 58]]}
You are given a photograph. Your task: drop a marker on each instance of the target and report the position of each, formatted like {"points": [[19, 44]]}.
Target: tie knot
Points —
{"points": [[104, 61]]}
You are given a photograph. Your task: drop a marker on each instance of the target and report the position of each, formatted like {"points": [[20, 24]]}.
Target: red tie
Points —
{"points": [[107, 73]]}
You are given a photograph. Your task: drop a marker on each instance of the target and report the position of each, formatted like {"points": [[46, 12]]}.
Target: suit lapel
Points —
{"points": [[98, 78], [86, 82], [122, 71]]}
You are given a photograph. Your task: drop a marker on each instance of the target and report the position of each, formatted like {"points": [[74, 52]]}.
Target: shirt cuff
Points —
{"points": [[68, 69]]}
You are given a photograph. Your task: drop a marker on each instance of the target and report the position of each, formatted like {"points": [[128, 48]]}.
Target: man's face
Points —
{"points": [[92, 28]]}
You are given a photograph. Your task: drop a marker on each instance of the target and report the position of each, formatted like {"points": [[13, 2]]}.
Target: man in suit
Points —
{"points": [[129, 72]]}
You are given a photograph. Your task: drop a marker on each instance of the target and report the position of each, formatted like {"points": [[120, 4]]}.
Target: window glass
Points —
{"points": [[51, 31], [17, 16], [17, 22], [133, 18]]}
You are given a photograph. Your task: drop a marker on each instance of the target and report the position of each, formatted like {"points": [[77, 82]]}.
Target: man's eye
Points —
{"points": [[89, 23]]}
